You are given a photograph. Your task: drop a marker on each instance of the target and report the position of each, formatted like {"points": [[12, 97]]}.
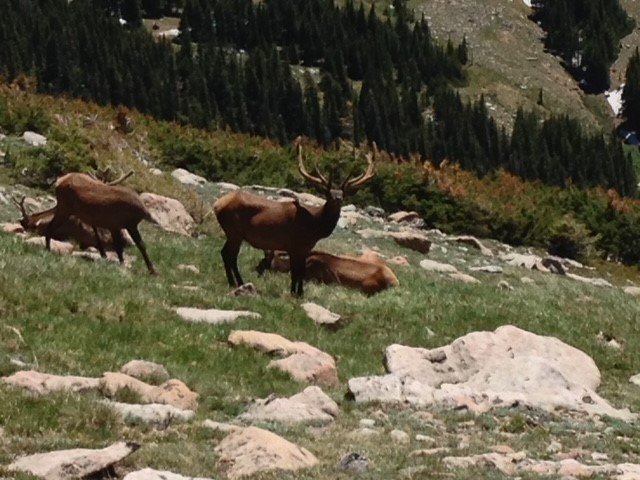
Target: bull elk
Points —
{"points": [[367, 273], [100, 205], [288, 226]]}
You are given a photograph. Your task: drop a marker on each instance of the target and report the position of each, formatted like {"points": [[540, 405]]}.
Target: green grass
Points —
{"points": [[82, 318]]}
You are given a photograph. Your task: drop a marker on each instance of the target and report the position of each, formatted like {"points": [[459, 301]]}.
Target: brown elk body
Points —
{"points": [[73, 229], [288, 226], [367, 273], [100, 205]]}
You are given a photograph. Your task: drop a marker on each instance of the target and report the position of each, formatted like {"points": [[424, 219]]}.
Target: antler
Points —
{"points": [[20, 205], [318, 180], [352, 185], [122, 178]]}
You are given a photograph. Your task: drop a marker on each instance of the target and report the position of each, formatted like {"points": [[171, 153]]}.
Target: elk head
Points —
{"points": [[24, 221]]}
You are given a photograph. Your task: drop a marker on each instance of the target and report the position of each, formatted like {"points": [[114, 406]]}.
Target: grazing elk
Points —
{"points": [[100, 205], [288, 226], [367, 273]]}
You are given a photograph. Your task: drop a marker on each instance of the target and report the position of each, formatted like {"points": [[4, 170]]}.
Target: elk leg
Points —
{"points": [[118, 244], [99, 243], [56, 222], [230, 258], [298, 269], [265, 263], [137, 239]]}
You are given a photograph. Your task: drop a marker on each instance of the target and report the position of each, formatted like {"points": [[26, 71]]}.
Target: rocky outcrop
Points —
{"points": [[302, 361], [72, 464], [169, 213], [484, 370], [252, 450], [43, 383]]}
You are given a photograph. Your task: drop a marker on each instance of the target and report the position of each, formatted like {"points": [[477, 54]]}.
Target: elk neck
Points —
{"points": [[329, 215]]}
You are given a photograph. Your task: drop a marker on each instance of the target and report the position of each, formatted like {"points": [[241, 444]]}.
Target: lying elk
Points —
{"points": [[100, 205], [288, 226], [367, 273], [74, 230]]}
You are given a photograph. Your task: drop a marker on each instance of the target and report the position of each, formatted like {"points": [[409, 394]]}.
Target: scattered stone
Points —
{"points": [[354, 463], [504, 449], [597, 282], [253, 450], [608, 341], [425, 438], [151, 474], [433, 266], [189, 268], [635, 379], [43, 383], [153, 413], [310, 199], [349, 218], [367, 422], [155, 171], [527, 281], [169, 213], [144, 370], [72, 464], [312, 405], [484, 370], [13, 228], [221, 426], [213, 316], [172, 392], [227, 186], [412, 241], [428, 452], [475, 243], [399, 436], [635, 291], [302, 361], [187, 178], [374, 211], [487, 269], [246, 290], [34, 139], [463, 277], [531, 262], [554, 447], [320, 315], [59, 248], [404, 217], [504, 285], [399, 260]]}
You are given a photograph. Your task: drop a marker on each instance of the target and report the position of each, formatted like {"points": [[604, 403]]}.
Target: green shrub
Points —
{"points": [[570, 238]]}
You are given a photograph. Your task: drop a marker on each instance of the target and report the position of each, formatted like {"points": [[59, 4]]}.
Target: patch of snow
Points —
{"points": [[614, 97], [528, 3], [171, 33]]}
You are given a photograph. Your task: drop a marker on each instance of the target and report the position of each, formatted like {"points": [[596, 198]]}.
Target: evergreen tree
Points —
{"points": [[631, 92]]}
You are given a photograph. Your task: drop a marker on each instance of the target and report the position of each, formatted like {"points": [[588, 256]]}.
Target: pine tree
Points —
{"points": [[631, 92]]}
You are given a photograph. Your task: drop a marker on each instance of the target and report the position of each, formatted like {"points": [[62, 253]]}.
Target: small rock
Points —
{"points": [[320, 315], [354, 463], [374, 211], [187, 178], [503, 449], [412, 241], [144, 370], [253, 450], [189, 268], [367, 422], [151, 474], [59, 248], [487, 269], [13, 228], [463, 277], [213, 316], [246, 290], [34, 139], [403, 217], [504, 285], [72, 464], [152, 413], [169, 213], [227, 186], [220, 426], [635, 291], [635, 379], [364, 433], [527, 281], [554, 447], [399, 436], [433, 266], [425, 438], [399, 260], [172, 392], [475, 243], [155, 171], [428, 452]]}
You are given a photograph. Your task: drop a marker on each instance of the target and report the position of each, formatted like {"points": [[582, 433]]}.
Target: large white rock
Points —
{"points": [[145, 370], [187, 178], [34, 139], [531, 262], [169, 213], [42, 383], [483, 370], [72, 464], [311, 405], [302, 361], [320, 315], [213, 316], [253, 450], [151, 474], [153, 413]]}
